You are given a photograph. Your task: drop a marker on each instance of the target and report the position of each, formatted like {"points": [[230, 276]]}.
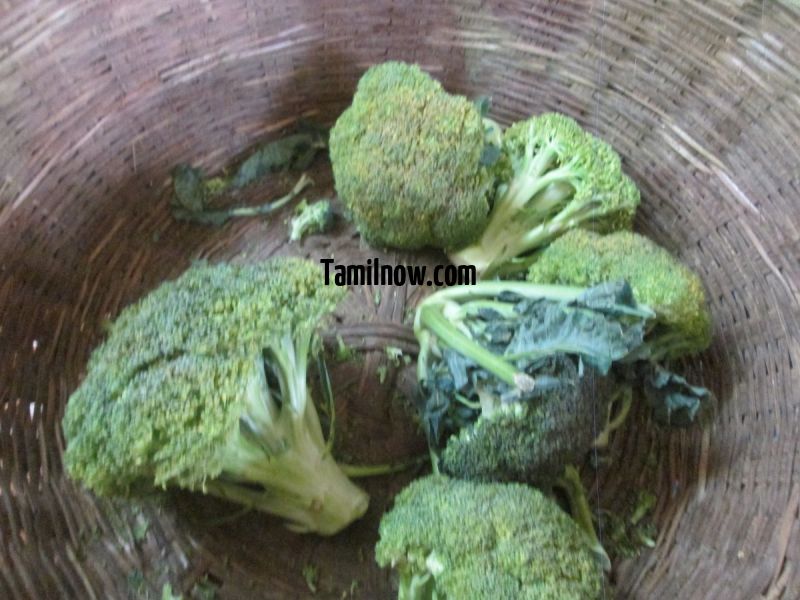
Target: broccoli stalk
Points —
{"points": [[279, 445], [560, 178], [570, 482]]}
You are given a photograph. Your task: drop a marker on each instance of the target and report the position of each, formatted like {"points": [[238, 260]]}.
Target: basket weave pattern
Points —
{"points": [[98, 100]]}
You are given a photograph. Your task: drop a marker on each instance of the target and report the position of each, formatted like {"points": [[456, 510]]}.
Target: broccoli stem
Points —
{"points": [[432, 318], [571, 483], [415, 586], [303, 484], [624, 396], [358, 471], [491, 289], [533, 195], [497, 251], [280, 447]]}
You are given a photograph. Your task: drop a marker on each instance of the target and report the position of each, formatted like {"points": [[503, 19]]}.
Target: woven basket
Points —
{"points": [[98, 100]]}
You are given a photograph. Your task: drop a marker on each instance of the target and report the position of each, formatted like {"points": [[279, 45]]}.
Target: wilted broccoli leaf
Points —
{"points": [[193, 191], [294, 152], [221, 216], [601, 326], [629, 528], [190, 191], [673, 400]]}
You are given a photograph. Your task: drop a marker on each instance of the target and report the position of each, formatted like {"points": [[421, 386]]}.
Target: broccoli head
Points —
{"points": [[408, 161], [202, 385], [516, 376], [449, 538], [560, 177], [682, 324], [528, 441]]}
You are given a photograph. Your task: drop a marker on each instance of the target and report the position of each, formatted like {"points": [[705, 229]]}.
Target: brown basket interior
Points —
{"points": [[98, 100]]}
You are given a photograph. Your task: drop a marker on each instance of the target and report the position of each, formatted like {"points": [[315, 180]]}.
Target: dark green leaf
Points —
{"points": [[587, 328], [483, 104], [291, 152], [673, 400], [190, 191], [490, 155], [215, 218]]}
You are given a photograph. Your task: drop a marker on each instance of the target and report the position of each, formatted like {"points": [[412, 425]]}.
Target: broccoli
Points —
{"points": [[316, 217], [202, 385], [515, 376], [527, 441], [520, 379], [558, 177], [410, 161], [584, 258], [449, 538]]}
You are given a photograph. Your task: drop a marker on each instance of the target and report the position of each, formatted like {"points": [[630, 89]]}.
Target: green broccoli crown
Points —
{"points": [[560, 177], [672, 290], [202, 385], [393, 75], [457, 539], [407, 161], [531, 441]]}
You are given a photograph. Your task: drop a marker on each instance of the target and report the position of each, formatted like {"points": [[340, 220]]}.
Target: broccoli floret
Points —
{"points": [[202, 385], [316, 217], [408, 160], [582, 258], [485, 541], [560, 177], [529, 441]]}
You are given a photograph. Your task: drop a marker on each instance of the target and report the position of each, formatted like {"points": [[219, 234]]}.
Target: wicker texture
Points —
{"points": [[98, 100]]}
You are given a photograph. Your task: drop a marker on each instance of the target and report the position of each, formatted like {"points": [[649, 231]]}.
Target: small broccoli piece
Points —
{"points": [[202, 385], [629, 528], [311, 575], [485, 541], [408, 160], [192, 195], [316, 217], [584, 258], [560, 177]]}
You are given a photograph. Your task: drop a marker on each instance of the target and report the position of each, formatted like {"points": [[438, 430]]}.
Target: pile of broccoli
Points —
{"points": [[203, 384], [518, 379]]}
